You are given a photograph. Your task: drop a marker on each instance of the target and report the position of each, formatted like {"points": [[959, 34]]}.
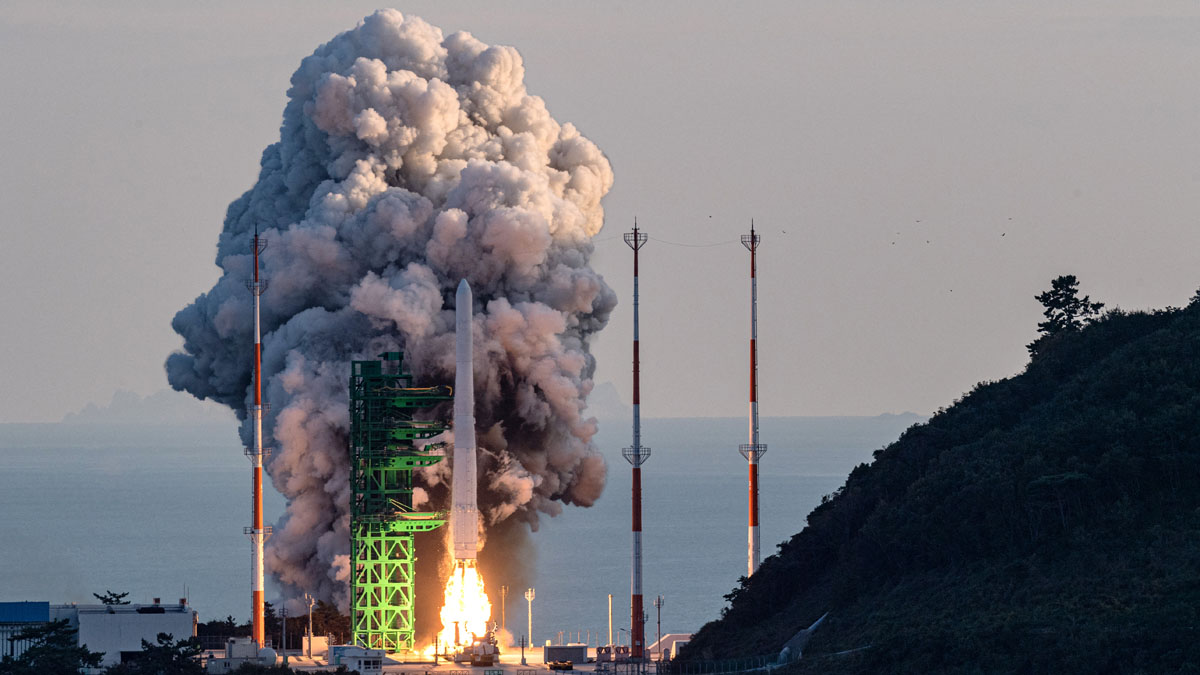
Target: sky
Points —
{"points": [[918, 172]]}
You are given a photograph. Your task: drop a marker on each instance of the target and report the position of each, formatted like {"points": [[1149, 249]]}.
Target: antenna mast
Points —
{"points": [[753, 450], [636, 455], [257, 532]]}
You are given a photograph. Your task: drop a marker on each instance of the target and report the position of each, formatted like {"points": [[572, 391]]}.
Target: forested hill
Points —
{"points": [[1049, 522]]}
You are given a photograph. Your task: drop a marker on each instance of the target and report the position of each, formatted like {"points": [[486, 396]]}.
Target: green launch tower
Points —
{"points": [[385, 446]]}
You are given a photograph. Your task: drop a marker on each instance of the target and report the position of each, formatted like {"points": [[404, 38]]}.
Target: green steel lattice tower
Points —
{"points": [[385, 446]]}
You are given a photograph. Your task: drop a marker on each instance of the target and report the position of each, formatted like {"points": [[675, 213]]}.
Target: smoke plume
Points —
{"points": [[407, 161]]}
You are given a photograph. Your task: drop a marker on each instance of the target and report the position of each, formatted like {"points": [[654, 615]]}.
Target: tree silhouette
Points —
{"points": [[54, 648], [110, 598], [1064, 311], [167, 657]]}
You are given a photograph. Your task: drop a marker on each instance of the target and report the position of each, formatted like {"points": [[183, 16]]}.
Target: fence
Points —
{"points": [[9, 644], [748, 664]]}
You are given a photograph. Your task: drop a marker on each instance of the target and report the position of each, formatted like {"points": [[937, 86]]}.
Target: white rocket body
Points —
{"points": [[464, 517]]}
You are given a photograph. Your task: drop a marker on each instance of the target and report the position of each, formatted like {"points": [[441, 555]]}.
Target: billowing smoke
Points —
{"points": [[408, 161]]}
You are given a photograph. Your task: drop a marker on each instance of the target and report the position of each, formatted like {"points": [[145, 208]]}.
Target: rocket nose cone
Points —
{"points": [[464, 288]]}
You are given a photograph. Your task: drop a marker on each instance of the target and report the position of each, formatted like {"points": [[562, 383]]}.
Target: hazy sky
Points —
{"points": [[918, 171]]}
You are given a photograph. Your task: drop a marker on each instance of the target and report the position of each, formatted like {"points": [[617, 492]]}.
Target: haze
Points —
{"points": [[918, 171]]}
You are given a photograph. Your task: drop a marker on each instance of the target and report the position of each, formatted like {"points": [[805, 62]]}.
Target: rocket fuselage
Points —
{"points": [[464, 517]]}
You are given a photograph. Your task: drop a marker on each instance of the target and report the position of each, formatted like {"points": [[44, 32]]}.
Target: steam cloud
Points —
{"points": [[407, 161]]}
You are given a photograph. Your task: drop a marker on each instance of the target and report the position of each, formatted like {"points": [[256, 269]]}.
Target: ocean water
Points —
{"points": [[158, 511]]}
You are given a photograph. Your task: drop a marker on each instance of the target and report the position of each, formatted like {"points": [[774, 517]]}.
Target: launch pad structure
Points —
{"points": [[386, 444]]}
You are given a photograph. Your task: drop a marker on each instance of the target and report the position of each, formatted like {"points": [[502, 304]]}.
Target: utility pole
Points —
{"points": [[283, 647], [311, 602]]}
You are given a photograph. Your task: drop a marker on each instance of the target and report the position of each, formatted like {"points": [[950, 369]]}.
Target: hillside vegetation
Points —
{"points": [[1049, 522]]}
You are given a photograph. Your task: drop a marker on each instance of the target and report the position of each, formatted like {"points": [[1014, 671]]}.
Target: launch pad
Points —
{"points": [[385, 447]]}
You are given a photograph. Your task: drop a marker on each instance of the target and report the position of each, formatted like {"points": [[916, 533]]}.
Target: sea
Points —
{"points": [[157, 511]]}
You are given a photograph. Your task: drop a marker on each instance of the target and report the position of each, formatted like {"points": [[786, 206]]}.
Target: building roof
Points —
{"points": [[128, 609]]}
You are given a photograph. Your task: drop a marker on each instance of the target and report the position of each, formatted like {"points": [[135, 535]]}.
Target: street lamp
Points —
{"points": [[610, 618], [658, 604]]}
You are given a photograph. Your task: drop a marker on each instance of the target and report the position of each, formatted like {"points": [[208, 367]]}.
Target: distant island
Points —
{"points": [[162, 407], [129, 420], [1045, 523]]}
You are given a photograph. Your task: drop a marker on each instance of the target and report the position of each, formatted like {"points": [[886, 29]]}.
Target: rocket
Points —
{"points": [[464, 516], [467, 610]]}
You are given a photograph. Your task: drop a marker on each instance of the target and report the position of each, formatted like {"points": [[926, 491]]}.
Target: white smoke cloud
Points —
{"points": [[407, 161]]}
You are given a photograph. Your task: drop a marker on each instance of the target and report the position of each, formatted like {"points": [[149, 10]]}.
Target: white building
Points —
{"points": [[365, 661], [669, 645], [238, 652], [115, 630]]}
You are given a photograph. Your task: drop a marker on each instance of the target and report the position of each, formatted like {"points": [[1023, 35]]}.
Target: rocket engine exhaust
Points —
{"points": [[466, 610], [409, 159]]}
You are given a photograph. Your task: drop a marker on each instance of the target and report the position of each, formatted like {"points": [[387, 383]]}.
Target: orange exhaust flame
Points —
{"points": [[466, 610]]}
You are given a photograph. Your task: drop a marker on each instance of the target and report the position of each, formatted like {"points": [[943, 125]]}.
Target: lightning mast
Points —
{"points": [[753, 450], [256, 531], [636, 455]]}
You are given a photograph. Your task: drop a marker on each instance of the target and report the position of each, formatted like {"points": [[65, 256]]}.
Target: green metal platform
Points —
{"points": [[385, 447]]}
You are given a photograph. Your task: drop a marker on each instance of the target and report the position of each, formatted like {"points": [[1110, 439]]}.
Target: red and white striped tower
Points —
{"points": [[256, 531], [753, 450], [636, 455]]}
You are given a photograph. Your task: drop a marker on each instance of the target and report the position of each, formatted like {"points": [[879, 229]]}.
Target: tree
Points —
{"points": [[110, 598], [1064, 311], [222, 628], [54, 648], [271, 621], [327, 620], [167, 657]]}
